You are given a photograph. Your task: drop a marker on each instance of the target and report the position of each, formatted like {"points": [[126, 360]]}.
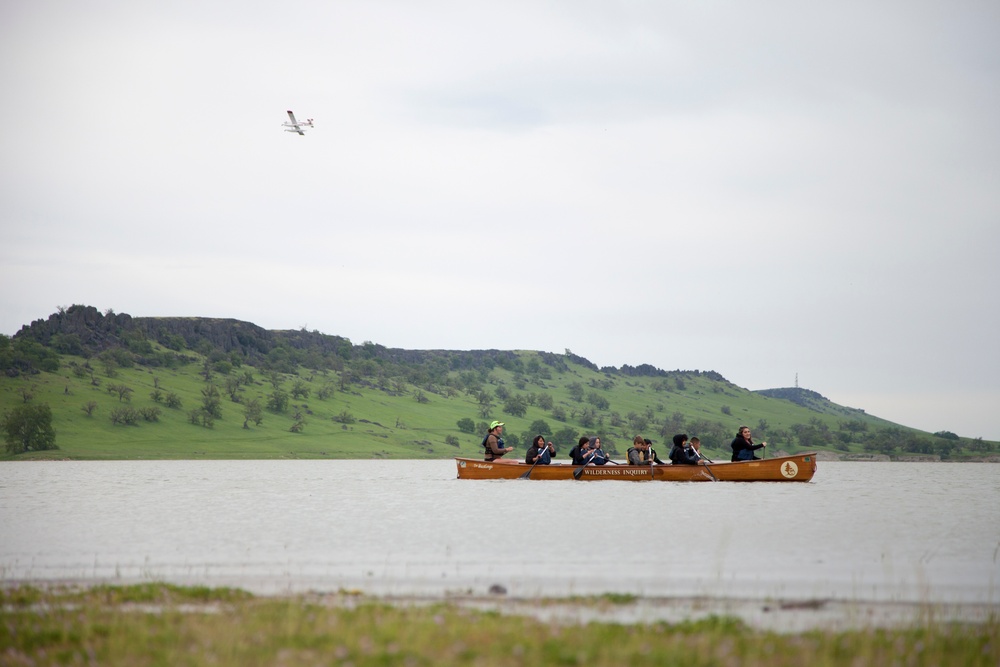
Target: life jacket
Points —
{"points": [[644, 457], [487, 452], [544, 457]]}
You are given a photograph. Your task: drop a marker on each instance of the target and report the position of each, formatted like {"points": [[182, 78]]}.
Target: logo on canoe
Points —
{"points": [[594, 471], [461, 464], [789, 469]]}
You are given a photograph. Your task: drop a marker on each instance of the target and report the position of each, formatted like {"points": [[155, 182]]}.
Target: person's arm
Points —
{"points": [[494, 443]]}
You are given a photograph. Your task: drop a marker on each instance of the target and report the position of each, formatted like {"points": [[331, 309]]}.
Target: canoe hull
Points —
{"points": [[797, 468]]}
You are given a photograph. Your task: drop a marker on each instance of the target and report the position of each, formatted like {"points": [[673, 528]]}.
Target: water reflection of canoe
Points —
{"points": [[797, 468]]}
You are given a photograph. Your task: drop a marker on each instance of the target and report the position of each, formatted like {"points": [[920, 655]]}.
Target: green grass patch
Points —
{"points": [[195, 626]]}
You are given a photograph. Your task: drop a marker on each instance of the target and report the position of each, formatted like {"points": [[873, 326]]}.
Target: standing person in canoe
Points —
{"points": [[540, 452], [493, 442], [743, 447]]}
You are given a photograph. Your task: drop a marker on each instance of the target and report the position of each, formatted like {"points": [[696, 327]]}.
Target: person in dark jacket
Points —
{"points": [[681, 453], [540, 450], [743, 447], [588, 451], [579, 453]]}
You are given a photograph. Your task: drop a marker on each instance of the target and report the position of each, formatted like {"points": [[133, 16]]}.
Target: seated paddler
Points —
{"points": [[579, 452], [743, 446], [596, 455], [652, 452], [540, 452], [638, 453], [682, 453]]}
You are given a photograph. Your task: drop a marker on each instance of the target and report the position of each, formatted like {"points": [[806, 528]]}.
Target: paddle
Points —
{"points": [[528, 474], [705, 465]]}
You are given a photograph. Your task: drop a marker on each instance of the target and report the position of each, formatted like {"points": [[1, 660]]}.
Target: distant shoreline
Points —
{"points": [[821, 457]]}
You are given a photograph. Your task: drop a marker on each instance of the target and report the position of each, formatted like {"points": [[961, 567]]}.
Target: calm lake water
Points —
{"points": [[902, 532]]}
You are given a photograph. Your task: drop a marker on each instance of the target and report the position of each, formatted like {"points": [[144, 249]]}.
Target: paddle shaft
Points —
{"points": [[528, 474], [579, 471]]}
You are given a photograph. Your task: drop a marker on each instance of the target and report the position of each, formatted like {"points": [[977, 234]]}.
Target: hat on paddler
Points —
{"points": [[494, 424]]}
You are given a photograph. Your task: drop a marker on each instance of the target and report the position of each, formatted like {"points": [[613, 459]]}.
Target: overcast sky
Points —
{"points": [[761, 189]]}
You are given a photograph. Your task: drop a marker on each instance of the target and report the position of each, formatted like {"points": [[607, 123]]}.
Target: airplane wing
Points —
{"points": [[294, 125]]}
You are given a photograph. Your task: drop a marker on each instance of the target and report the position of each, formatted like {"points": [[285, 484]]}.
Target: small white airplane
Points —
{"points": [[296, 126]]}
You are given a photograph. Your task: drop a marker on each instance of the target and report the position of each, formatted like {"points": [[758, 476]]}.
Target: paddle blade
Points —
{"points": [[578, 472]]}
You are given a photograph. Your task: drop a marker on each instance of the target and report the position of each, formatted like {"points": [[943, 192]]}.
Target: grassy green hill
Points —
{"points": [[365, 401]]}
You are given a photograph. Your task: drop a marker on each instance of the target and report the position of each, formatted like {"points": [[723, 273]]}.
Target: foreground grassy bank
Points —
{"points": [[159, 624]]}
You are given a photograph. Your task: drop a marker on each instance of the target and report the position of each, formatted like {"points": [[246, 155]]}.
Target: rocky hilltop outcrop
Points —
{"points": [[85, 330], [93, 332]]}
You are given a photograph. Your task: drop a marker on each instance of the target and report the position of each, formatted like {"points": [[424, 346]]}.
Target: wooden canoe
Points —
{"points": [[797, 468]]}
